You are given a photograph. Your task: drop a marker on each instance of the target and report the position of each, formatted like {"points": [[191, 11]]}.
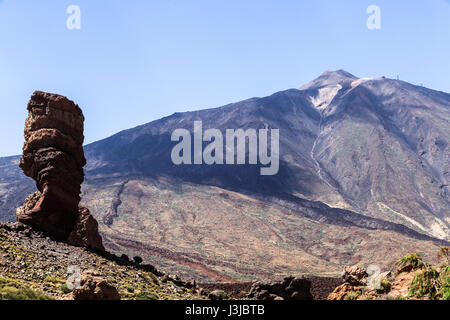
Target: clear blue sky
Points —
{"points": [[136, 61]]}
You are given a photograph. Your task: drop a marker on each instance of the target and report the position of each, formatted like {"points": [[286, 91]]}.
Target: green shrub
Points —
{"points": [[143, 295], [12, 293], [54, 280], [444, 278], [65, 288], [425, 284], [385, 286], [154, 278], [445, 292], [353, 295], [413, 259]]}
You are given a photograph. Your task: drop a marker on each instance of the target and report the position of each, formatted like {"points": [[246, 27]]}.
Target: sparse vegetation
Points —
{"points": [[444, 278], [353, 295], [146, 296], [54, 281], [38, 270], [413, 279], [413, 260], [425, 284], [65, 288], [13, 289], [153, 277], [429, 283], [385, 286], [12, 293]]}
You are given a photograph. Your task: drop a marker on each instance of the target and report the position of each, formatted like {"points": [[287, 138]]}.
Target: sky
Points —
{"points": [[132, 62]]}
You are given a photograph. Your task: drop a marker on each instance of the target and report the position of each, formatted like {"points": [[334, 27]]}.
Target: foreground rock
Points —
{"points": [[94, 287], [355, 275], [85, 232], [291, 288], [409, 279], [53, 156], [217, 295], [354, 278]]}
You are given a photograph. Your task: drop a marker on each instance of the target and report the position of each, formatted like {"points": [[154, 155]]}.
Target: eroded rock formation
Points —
{"points": [[85, 231], [53, 156]]}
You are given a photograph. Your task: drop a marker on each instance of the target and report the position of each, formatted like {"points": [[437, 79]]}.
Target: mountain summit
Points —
{"points": [[363, 177], [330, 78]]}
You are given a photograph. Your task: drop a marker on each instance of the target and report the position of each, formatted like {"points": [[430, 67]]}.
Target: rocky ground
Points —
{"points": [[33, 266], [409, 279]]}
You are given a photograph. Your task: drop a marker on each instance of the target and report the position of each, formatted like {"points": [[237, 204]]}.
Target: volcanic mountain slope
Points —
{"points": [[14, 187], [378, 147], [211, 233], [384, 146], [364, 169]]}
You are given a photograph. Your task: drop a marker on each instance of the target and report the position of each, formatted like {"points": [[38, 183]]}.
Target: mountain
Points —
{"points": [[14, 187], [363, 176]]}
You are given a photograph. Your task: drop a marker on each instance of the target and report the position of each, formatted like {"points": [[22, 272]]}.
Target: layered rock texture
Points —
{"points": [[53, 156]]}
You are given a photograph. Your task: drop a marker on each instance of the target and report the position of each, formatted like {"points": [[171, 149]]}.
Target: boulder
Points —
{"points": [[291, 288], [217, 295], [137, 260], [94, 287], [85, 232], [340, 292], [355, 275]]}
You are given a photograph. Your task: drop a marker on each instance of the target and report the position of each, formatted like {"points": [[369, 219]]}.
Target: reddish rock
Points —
{"points": [[53, 156], [355, 275], [85, 232], [354, 278], [94, 287], [340, 292], [401, 284]]}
